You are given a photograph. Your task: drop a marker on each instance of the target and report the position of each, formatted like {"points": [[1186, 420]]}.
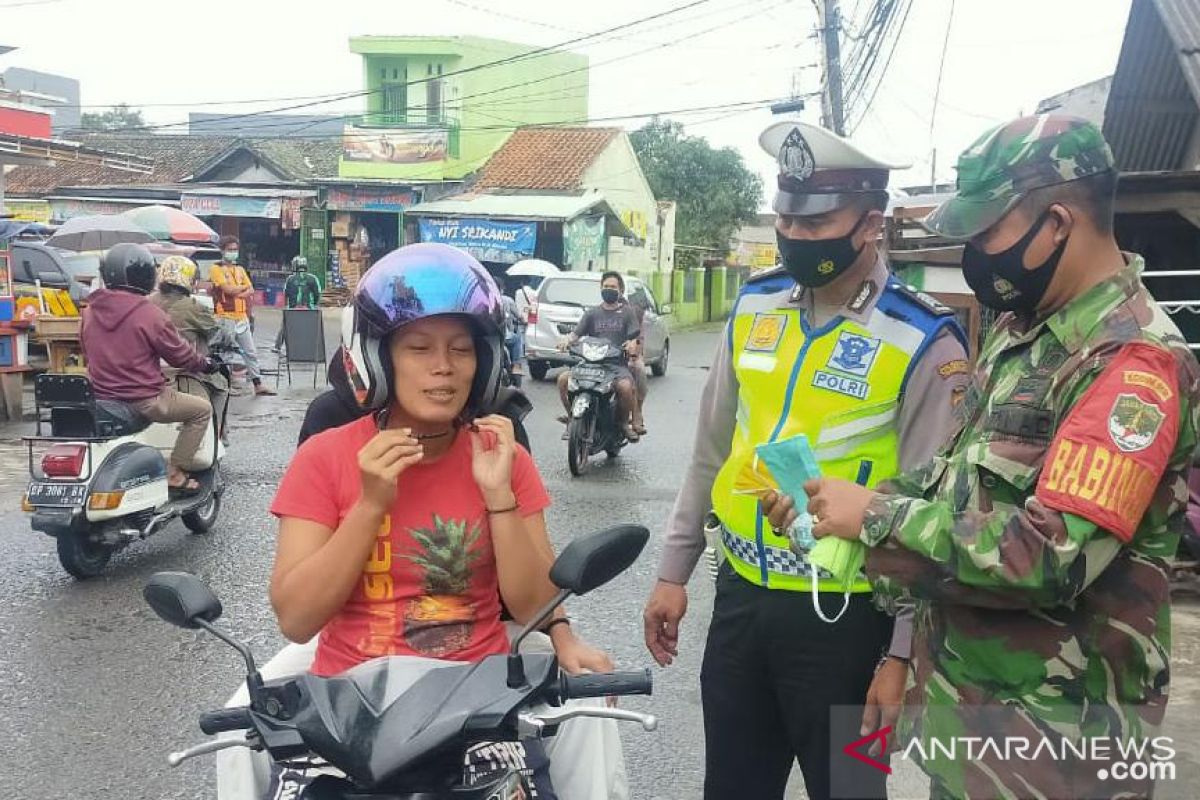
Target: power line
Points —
{"points": [[865, 107], [534, 81], [475, 68], [937, 91]]}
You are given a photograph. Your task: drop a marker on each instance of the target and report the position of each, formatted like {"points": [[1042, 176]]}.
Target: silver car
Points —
{"points": [[560, 303]]}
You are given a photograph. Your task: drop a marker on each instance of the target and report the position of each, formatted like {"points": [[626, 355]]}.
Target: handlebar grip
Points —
{"points": [[611, 684], [227, 719]]}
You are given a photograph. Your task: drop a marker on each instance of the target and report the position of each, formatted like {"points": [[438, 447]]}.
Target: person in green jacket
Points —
{"points": [[301, 290]]}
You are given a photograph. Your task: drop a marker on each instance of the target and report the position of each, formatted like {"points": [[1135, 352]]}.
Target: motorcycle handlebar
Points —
{"points": [[611, 684], [227, 719]]}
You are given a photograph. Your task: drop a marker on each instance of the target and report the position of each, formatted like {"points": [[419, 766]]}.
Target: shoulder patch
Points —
{"points": [[928, 302], [1108, 457]]}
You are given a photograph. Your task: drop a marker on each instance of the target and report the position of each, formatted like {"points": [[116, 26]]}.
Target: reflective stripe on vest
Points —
{"points": [[840, 385]]}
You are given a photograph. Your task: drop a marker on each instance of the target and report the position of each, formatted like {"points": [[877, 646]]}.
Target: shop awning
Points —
{"points": [[526, 207], [231, 201]]}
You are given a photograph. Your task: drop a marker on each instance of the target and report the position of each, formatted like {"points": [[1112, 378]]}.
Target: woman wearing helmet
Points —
{"points": [[198, 326], [400, 532]]}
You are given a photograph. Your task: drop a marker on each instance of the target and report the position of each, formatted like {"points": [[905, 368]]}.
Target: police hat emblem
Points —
{"points": [[796, 157]]}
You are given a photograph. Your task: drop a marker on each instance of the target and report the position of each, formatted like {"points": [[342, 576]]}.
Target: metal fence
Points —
{"points": [[1184, 310]]}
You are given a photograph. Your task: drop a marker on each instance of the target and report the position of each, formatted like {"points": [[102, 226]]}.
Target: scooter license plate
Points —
{"points": [[589, 373], [57, 494]]}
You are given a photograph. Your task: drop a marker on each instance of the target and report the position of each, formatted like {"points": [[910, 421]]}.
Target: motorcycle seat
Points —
{"points": [[114, 418]]}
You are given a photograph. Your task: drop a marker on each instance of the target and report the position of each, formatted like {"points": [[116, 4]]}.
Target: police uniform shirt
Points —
{"points": [[925, 421]]}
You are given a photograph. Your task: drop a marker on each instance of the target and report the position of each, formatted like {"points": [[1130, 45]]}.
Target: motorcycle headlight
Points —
{"points": [[594, 352]]}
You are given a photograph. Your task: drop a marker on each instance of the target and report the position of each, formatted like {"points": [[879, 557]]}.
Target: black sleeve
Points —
{"points": [[326, 411]]}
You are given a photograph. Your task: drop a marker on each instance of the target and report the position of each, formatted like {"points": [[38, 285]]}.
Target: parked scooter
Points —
{"points": [[401, 739], [100, 481], [595, 425]]}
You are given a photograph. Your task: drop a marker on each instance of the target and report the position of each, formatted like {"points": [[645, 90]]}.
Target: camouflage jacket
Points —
{"points": [[1037, 542]]}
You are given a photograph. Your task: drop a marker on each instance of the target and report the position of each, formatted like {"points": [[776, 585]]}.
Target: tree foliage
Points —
{"points": [[714, 191], [118, 118]]}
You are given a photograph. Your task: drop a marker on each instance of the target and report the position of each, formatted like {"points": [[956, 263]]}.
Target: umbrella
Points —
{"points": [[170, 224], [533, 267], [98, 232]]}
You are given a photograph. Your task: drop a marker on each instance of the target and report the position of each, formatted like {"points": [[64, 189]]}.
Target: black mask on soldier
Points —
{"points": [[1000, 280]]}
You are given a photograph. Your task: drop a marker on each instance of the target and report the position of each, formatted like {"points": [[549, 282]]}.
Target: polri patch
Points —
{"points": [[853, 354], [766, 333], [842, 384]]}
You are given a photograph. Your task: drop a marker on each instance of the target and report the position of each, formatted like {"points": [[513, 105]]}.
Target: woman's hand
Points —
{"points": [[380, 463], [576, 657], [493, 448]]}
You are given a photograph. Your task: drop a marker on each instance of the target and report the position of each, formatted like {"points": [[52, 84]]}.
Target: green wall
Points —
{"points": [[481, 108]]}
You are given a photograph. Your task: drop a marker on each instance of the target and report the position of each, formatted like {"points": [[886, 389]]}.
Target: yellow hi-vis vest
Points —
{"points": [[840, 384]]}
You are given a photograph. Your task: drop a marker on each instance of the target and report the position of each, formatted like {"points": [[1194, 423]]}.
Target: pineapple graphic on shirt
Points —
{"points": [[440, 622]]}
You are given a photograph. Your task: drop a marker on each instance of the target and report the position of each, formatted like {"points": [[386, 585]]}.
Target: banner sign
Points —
{"points": [[28, 210], [215, 205], [394, 146], [389, 200], [584, 241], [487, 240], [63, 210]]}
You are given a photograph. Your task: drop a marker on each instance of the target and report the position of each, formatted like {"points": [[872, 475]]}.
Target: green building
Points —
{"points": [[438, 107]]}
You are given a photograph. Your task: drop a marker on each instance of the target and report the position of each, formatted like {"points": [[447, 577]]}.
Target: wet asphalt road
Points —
{"points": [[95, 690]]}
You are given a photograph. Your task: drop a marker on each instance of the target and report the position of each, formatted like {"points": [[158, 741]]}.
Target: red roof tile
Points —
{"points": [[545, 158]]}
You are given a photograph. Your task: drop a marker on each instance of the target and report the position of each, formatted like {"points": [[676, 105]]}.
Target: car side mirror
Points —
{"points": [[592, 561], [181, 599]]}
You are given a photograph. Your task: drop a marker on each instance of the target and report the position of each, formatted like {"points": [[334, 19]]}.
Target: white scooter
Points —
{"points": [[99, 480]]}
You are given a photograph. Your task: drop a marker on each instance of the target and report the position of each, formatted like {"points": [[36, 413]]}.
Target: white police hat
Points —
{"points": [[820, 171]]}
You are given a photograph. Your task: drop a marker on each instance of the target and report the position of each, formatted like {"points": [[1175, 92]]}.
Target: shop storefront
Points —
{"points": [[360, 225], [266, 222]]}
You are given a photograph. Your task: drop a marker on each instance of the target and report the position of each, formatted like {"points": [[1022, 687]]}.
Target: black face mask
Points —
{"points": [[1000, 280], [610, 296], [816, 262]]}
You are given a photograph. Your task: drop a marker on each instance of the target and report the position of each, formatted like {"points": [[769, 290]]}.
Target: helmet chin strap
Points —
{"points": [[381, 422]]}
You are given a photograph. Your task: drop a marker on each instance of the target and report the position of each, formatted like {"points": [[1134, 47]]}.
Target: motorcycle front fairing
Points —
{"points": [[386, 731]]}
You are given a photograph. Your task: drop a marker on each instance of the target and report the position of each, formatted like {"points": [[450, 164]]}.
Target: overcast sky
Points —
{"points": [[1002, 58]]}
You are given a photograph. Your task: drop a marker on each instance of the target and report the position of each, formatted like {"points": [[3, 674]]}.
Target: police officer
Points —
{"points": [[1038, 544], [827, 344]]}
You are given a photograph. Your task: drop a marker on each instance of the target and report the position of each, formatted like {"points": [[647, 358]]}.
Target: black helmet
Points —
{"points": [[129, 267]]}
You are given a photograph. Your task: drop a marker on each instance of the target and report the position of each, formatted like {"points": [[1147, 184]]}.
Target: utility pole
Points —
{"points": [[831, 101]]}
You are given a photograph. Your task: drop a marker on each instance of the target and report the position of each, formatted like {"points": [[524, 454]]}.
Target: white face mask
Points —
{"points": [[231, 256]]}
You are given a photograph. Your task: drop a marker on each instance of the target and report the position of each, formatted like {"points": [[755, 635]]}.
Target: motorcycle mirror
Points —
{"points": [[181, 599], [592, 561]]}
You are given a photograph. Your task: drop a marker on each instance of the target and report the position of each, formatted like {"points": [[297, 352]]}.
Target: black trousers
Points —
{"points": [[772, 670]]}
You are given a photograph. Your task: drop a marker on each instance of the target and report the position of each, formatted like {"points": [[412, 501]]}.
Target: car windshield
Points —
{"points": [[571, 292]]}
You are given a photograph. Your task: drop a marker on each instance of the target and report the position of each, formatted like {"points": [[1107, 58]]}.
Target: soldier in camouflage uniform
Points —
{"points": [[1037, 542]]}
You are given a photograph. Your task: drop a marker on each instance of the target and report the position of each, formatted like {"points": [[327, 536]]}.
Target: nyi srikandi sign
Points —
{"points": [[487, 240]]}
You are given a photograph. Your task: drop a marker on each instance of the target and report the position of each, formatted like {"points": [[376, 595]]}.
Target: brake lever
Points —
{"points": [[533, 724], [178, 757]]}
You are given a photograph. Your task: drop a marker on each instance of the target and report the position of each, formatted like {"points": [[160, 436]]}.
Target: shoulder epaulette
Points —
{"points": [[766, 274], [925, 301]]}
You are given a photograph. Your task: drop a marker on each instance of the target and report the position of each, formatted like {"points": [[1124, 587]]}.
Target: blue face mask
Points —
{"points": [[231, 256], [792, 464]]}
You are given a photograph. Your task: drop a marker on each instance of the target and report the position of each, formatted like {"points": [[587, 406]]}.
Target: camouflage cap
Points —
{"points": [[1008, 161]]}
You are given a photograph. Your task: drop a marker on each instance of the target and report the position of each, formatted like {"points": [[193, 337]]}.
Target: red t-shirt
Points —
{"points": [[430, 587]]}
